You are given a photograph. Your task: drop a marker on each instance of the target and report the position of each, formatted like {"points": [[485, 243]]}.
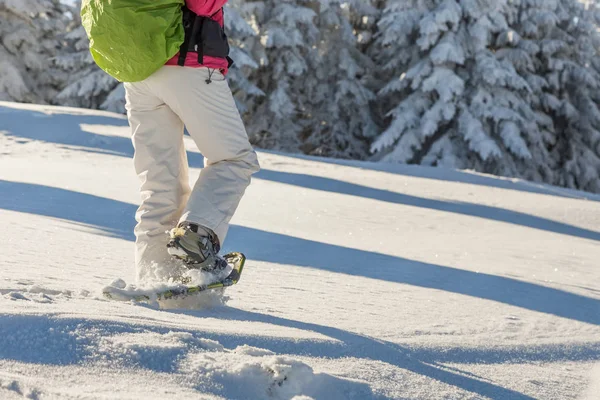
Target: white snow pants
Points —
{"points": [[157, 109]]}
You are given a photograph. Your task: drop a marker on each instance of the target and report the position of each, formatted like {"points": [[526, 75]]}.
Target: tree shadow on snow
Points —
{"points": [[42, 339], [469, 209], [449, 175], [49, 340], [422, 361], [65, 128], [115, 218], [39, 339], [63, 341]]}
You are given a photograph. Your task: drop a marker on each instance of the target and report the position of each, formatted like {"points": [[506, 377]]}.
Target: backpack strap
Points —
{"points": [[230, 61], [198, 33], [189, 18], [205, 36]]}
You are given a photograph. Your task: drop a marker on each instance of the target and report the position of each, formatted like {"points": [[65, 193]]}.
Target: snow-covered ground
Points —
{"points": [[363, 280]]}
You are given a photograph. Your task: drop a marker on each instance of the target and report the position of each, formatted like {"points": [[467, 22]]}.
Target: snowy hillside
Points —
{"points": [[363, 280]]}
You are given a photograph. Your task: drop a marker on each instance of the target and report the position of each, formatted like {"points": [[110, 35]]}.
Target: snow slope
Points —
{"points": [[363, 280]]}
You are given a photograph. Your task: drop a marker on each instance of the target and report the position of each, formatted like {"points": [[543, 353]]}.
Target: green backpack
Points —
{"points": [[131, 39]]}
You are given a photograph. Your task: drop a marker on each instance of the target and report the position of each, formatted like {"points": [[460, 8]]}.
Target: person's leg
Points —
{"points": [[161, 163], [212, 119]]}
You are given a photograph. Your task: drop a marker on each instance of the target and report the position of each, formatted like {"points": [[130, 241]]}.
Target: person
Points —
{"points": [[189, 91]]}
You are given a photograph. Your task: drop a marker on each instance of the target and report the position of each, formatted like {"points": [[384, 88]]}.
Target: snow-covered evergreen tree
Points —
{"points": [[287, 34], [336, 86], [242, 32], [87, 85], [470, 83], [439, 61], [314, 76], [28, 31], [555, 47]]}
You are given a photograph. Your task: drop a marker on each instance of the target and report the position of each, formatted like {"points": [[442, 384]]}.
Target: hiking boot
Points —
{"points": [[197, 247]]}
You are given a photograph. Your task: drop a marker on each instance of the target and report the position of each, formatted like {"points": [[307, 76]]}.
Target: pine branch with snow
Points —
{"points": [[242, 32], [287, 35], [86, 84], [338, 85], [502, 87], [28, 32], [562, 39]]}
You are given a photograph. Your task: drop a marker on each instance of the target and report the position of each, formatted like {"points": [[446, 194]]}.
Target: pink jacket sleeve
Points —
{"points": [[205, 7]]}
